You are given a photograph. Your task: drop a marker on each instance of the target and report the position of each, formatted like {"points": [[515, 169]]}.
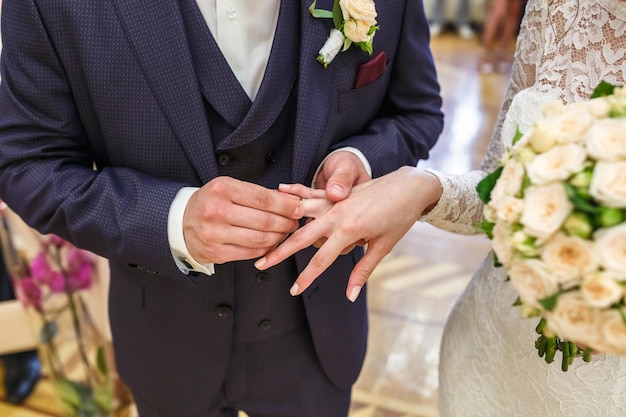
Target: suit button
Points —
{"points": [[223, 311], [223, 159], [265, 324], [270, 158], [262, 277]]}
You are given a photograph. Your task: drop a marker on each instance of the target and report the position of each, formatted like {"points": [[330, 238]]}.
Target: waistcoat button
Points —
{"points": [[270, 158], [223, 159], [265, 324], [262, 277], [223, 311]]}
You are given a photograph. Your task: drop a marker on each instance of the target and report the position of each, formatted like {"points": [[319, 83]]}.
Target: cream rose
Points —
{"points": [[601, 290], [542, 137], [363, 10], [553, 108], [572, 319], [532, 280], [357, 30], [572, 125], [510, 181], [509, 209], [610, 248], [598, 107], [501, 244], [570, 257], [608, 184], [556, 164], [546, 208], [606, 140], [613, 332]]}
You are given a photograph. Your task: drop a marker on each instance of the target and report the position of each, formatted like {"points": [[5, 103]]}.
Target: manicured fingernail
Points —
{"points": [[354, 294], [260, 262], [284, 186], [294, 289]]}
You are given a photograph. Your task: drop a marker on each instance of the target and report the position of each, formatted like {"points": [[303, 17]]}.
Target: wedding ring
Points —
{"points": [[302, 202]]}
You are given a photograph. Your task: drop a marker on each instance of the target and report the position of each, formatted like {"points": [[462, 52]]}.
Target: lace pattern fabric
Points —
{"points": [[489, 366]]}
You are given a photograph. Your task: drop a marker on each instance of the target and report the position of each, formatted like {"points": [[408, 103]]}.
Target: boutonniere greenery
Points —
{"points": [[355, 23]]}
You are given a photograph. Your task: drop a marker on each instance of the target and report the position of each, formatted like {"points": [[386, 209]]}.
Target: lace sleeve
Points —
{"points": [[459, 207]]}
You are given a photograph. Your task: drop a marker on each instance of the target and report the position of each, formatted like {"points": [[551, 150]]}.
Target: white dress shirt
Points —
{"points": [[244, 31]]}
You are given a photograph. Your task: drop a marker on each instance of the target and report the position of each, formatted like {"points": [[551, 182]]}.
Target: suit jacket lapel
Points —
{"points": [[156, 30], [314, 89]]}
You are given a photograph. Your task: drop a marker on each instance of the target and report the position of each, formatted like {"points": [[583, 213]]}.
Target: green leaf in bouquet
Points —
{"points": [[580, 202], [101, 361], [518, 135], [486, 227], [337, 15], [603, 89], [70, 393], [609, 216], [550, 302], [485, 186], [103, 396]]}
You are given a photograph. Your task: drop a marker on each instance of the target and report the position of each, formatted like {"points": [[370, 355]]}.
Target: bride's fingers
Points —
{"points": [[363, 270], [300, 239], [315, 207], [302, 191]]}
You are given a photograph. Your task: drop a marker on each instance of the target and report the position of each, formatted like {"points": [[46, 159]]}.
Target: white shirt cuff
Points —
{"points": [[176, 238], [355, 151]]}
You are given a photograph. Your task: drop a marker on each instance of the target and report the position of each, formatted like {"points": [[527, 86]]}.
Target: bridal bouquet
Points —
{"points": [[556, 213]]}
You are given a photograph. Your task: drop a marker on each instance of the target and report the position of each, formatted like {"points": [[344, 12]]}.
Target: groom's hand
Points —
{"points": [[341, 171], [229, 220]]}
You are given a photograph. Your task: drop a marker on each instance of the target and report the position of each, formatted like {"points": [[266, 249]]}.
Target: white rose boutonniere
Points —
{"points": [[556, 212], [355, 22]]}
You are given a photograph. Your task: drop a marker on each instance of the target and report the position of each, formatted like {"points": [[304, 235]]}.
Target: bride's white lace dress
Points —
{"points": [[489, 366]]}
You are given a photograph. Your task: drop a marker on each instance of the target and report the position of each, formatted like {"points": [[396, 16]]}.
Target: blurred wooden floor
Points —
{"points": [[413, 289]]}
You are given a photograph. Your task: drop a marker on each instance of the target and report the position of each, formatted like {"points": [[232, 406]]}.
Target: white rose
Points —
{"points": [[572, 125], [489, 212], [610, 248], [546, 208], [509, 209], [357, 30], [608, 184], [606, 140], [501, 245], [553, 108], [363, 10], [556, 164], [601, 290], [332, 46], [510, 181], [598, 107], [532, 280], [522, 143], [613, 332], [573, 319], [570, 257]]}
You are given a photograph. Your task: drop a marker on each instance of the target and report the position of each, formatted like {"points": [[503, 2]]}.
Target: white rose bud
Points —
{"points": [[598, 107], [610, 248], [509, 209], [570, 257], [501, 245], [608, 184], [331, 47], [532, 280], [606, 140], [557, 164], [542, 137], [601, 290], [363, 10], [572, 319], [546, 208]]}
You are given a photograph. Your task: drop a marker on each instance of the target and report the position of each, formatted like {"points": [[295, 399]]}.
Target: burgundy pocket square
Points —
{"points": [[371, 70]]}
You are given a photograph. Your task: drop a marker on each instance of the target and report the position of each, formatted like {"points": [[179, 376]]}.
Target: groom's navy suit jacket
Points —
{"points": [[106, 111]]}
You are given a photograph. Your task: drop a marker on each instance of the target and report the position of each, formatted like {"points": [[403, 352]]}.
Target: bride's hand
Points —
{"points": [[378, 212]]}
